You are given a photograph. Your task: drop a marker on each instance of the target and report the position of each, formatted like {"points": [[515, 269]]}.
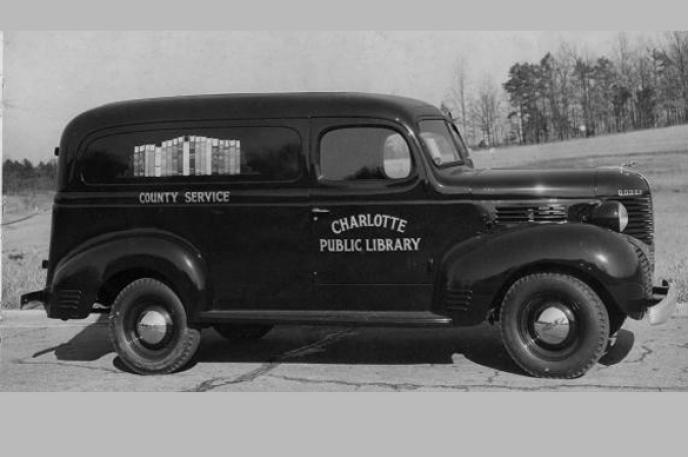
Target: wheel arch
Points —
{"points": [[480, 270], [100, 268], [552, 267], [113, 285]]}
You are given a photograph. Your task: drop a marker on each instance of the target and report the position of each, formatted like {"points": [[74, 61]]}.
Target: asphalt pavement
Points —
{"points": [[40, 354]]}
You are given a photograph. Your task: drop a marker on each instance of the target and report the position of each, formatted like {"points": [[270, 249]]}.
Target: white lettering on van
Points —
{"points": [[220, 196], [370, 244], [147, 198], [161, 198], [384, 221], [378, 245]]}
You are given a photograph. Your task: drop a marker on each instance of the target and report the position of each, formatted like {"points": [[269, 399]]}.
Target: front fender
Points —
{"points": [[476, 272], [79, 275]]}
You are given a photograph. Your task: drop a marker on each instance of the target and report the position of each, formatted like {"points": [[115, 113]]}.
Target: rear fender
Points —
{"points": [[91, 265]]}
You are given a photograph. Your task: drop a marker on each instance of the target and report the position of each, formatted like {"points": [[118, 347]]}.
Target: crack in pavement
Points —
{"points": [[468, 387], [491, 378], [646, 351], [317, 346], [355, 384]]}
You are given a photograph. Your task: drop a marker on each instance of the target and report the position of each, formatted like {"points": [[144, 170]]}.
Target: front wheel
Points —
{"points": [[149, 329], [554, 325]]}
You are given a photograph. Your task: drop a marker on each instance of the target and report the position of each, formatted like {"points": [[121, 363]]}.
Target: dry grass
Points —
{"points": [[16, 206], [622, 146], [24, 245], [671, 221], [21, 273]]}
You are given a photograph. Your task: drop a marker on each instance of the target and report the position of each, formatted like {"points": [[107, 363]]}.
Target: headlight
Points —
{"points": [[610, 214], [623, 217]]}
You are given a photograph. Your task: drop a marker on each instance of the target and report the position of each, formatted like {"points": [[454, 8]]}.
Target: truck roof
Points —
{"points": [[248, 106]]}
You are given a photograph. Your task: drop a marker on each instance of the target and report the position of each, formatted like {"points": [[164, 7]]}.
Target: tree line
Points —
{"points": [[24, 176], [569, 94]]}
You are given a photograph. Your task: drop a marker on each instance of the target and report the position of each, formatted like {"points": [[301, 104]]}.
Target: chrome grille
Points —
{"points": [[640, 218], [513, 214]]}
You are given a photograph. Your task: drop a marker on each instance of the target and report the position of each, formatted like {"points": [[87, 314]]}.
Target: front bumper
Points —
{"points": [[663, 303]]}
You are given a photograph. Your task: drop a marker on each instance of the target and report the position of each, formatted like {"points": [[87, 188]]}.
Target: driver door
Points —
{"points": [[369, 219]]}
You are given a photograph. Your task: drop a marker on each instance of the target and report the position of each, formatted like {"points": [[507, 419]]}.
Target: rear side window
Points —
{"points": [[241, 153], [364, 153]]}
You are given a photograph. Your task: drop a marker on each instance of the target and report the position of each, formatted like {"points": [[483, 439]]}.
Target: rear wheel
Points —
{"points": [[242, 332], [149, 329], [554, 325]]}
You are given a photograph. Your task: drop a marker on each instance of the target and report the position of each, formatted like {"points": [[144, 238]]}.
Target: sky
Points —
{"points": [[50, 77]]}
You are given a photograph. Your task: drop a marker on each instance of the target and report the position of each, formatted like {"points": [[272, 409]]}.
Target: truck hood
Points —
{"points": [[567, 183]]}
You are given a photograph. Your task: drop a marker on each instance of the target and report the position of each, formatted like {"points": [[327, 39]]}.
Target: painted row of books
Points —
{"points": [[187, 156]]}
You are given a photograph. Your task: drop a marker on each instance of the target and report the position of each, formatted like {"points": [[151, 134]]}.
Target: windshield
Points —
{"points": [[443, 143]]}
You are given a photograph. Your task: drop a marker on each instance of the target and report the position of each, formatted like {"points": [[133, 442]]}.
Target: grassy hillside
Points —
{"points": [[618, 149]]}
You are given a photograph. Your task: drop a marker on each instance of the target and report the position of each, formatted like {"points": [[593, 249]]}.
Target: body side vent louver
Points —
{"points": [[514, 214]]}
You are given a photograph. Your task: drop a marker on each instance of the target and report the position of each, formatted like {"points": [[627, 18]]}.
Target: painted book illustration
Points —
{"points": [[187, 156]]}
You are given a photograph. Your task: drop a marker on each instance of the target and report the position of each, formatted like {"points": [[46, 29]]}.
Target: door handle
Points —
{"points": [[320, 211]]}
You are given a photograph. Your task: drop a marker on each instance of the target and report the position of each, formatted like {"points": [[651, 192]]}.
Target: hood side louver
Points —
{"points": [[515, 214]]}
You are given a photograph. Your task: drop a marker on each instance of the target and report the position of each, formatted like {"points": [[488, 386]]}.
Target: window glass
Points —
{"points": [[463, 150], [252, 153], [357, 153], [438, 141]]}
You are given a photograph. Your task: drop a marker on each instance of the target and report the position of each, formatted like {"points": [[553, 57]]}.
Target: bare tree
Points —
{"points": [[485, 110], [457, 97], [642, 84], [678, 54], [563, 69]]}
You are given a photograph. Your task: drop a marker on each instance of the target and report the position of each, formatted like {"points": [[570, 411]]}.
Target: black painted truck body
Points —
{"points": [[282, 218]]}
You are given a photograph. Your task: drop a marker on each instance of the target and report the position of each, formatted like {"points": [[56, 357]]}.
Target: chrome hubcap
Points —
{"points": [[153, 325], [552, 326]]}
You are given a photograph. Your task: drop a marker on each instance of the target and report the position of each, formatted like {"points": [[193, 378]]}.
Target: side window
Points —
{"points": [[363, 153], [243, 153]]}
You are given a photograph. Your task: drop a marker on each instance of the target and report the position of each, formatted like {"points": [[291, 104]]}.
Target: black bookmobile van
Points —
{"points": [[249, 210]]}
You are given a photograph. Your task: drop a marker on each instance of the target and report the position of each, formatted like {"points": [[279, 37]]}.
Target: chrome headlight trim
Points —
{"points": [[611, 214], [623, 217]]}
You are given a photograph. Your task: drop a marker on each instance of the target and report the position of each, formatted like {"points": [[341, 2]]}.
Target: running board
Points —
{"points": [[372, 318]]}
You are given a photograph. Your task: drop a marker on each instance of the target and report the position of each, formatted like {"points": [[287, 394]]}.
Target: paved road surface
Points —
{"points": [[38, 354]]}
